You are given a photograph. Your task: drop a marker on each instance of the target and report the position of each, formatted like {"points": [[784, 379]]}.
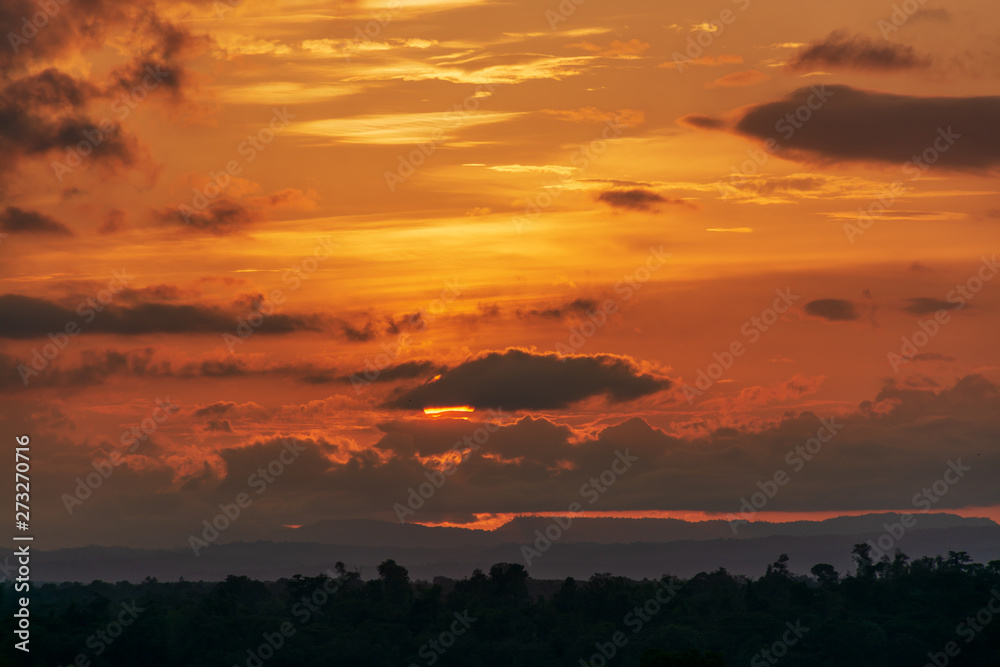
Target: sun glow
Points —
{"points": [[452, 408]]}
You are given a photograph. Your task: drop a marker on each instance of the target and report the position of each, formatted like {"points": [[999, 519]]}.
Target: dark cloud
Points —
{"points": [[840, 50], [702, 122], [219, 408], [45, 112], [93, 368], [28, 317], [916, 433], [855, 125], [576, 307], [407, 370], [113, 223], [151, 293], [220, 425], [221, 217], [834, 310], [635, 200], [18, 221], [359, 335], [926, 305], [520, 380]]}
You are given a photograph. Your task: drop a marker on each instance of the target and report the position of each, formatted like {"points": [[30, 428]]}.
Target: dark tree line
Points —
{"points": [[889, 612]]}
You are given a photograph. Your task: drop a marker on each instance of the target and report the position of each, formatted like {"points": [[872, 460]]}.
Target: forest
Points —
{"points": [[886, 613]]}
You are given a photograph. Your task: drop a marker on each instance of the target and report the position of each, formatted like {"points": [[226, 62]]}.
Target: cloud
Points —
{"points": [[520, 380], [838, 50], [407, 370], [857, 125], [926, 305], [882, 452], [616, 49], [707, 61], [46, 112], [702, 122], [833, 310], [221, 217], [23, 317], [737, 79], [577, 307], [637, 199], [624, 117], [18, 221], [114, 222]]}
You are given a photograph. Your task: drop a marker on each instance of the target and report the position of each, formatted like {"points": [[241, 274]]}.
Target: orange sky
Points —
{"points": [[573, 218]]}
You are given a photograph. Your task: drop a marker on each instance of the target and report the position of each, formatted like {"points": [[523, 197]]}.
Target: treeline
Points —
{"points": [[885, 613]]}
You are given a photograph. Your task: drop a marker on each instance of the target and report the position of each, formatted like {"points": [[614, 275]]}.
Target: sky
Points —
{"points": [[749, 249]]}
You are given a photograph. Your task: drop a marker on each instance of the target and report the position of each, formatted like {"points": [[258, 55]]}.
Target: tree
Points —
{"points": [[825, 574], [863, 560], [958, 559], [395, 580]]}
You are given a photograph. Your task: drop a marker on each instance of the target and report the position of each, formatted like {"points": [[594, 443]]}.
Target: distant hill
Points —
{"points": [[635, 548], [364, 532]]}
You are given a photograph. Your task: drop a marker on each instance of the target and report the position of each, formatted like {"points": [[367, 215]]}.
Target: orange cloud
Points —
{"points": [[616, 49], [708, 61], [626, 117], [735, 79]]}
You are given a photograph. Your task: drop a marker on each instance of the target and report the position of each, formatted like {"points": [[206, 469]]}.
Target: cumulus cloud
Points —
{"points": [[840, 50], [881, 454], [833, 310], [860, 125], [520, 380], [24, 317], [637, 199], [17, 221], [927, 305]]}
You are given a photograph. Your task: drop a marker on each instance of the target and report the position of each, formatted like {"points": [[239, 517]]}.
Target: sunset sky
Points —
{"points": [[692, 230]]}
